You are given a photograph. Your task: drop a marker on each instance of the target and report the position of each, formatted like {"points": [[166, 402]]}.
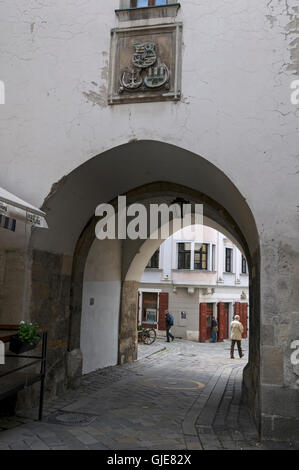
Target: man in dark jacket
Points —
{"points": [[169, 323], [214, 330]]}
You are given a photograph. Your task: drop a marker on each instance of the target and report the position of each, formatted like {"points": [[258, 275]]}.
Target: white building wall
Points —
{"points": [[100, 305], [55, 68], [239, 60], [188, 288], [168, 269], [166, 258]]}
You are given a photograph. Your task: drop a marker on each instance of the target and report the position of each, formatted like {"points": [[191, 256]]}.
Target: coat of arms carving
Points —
{"points": [[145, 64], [147, 72]]}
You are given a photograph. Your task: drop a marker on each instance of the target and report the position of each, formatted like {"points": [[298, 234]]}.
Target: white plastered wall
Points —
{"points": [[100, 305]]}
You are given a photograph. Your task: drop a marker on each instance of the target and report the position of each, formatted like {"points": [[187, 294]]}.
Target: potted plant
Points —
{"points": [[26, 339]]}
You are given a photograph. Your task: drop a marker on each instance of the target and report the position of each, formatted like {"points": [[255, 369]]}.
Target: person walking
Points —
{"points": [[237, 329], [214, 330], [169, 323]]}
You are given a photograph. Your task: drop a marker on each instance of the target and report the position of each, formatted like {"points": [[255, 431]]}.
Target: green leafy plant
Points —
{"points": [[28, 332]]}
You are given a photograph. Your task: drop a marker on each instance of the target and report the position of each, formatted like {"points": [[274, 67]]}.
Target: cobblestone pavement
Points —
{"points": [[184, 396]]}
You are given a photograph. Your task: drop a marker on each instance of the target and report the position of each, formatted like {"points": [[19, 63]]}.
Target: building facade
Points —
{"points": [[152, 100], [195, 279]]}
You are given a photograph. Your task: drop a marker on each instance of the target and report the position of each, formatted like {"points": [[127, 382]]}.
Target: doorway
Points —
{"points": [[149, 313]]}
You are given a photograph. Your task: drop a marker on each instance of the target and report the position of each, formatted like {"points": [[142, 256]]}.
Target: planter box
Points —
{"points": [[17, 346]]}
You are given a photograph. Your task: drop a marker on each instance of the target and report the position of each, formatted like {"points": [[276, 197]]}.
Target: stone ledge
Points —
{"points": [[135, 14]]}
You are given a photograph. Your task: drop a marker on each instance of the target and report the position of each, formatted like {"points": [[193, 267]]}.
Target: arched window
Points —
{"points": [[147, 3]]}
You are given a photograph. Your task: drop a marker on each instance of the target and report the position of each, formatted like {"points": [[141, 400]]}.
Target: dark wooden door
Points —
{"points": [[209, 320], [149, 301], [226, 321], [202, 322], [163, 306]]}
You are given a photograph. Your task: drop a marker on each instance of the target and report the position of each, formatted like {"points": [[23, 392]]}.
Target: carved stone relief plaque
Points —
{"points": [[145, 64]]}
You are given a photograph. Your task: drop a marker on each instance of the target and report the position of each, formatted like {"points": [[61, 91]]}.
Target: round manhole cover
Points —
{"points": [[72, 419]]}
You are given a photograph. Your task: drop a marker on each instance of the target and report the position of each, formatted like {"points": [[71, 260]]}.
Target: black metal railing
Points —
{"points": [[12, 379]]}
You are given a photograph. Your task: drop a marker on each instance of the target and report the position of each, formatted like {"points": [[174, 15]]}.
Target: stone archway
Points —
{"points": [[144, 171], [134, 257]]}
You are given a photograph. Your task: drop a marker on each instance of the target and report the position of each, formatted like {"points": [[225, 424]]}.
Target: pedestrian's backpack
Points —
{"points": [[171, 320]]}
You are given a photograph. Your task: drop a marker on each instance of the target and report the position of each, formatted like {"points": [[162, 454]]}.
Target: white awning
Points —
{"points": [[12, 206], [15, 201]]}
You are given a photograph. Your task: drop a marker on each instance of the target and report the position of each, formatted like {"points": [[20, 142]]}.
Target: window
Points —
{"points": [[151, 315], [228, 260], [213, 257], [244, 265], [184, 255], [201, 256], [147, 3], [154, 261]]}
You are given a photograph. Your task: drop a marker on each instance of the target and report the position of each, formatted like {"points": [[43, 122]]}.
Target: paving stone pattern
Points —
{"points": [[157, 403]]}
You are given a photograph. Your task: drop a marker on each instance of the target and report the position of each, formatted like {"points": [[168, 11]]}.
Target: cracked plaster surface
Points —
{"points": [[235, 110]]}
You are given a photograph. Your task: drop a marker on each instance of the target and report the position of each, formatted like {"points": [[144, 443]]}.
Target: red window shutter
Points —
{"points": [[221, 321], [244, 320], [203, 322], [237, 308], [241, 310], [163, 305]]}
